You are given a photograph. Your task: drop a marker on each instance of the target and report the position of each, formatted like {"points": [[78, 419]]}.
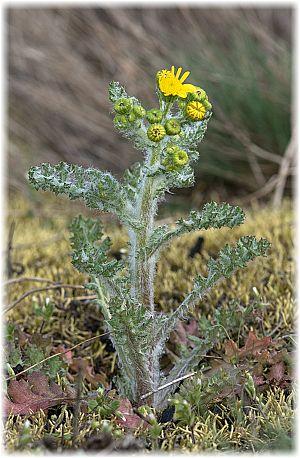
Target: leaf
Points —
{"points": [[277, 372], [29, 396], [83, 366], [230, 258], [212, 215], [15, 355], [231, 349], [131, 181], [254, 347], [67, 357], [192, 133], [116, 91], [88, 256], [183, 333], [99, 190], [129, 419]]}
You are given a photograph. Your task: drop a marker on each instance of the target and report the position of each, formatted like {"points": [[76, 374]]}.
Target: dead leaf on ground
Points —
{"points": [[182, 331], [67, 356], [29, 396], [254, 346], [83, 365], [129, 419]]}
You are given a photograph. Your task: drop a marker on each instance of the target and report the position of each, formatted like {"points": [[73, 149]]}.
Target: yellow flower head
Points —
{"points": [[195, 110], [171, 84]]}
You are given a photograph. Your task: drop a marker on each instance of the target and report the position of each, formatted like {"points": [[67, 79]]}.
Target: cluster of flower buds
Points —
{"points": [[127, 112], [157, 131], [180, 106], [174, 158]]}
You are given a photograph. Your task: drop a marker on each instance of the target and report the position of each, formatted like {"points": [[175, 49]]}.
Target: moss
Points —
{"points": [[41, 247]]}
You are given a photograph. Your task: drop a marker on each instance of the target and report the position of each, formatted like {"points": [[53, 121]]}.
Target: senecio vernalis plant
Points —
{"points": [[168, 138]]}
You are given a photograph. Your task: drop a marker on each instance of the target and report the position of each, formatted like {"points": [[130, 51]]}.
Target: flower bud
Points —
{"points": [[200, 95], [195, 110], [131, 117], [156, 132], [139, 111], [175, 158], [173, 127], [154, 116], [123, 106], [207, 105], [120, 121]]}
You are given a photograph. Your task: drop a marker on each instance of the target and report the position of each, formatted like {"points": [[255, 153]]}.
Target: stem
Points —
{"points": [[142, 269]]}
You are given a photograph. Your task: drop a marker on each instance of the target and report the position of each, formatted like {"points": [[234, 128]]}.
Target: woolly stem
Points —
{"points": [[143, 269]]}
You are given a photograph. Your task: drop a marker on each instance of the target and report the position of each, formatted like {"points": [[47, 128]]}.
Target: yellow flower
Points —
{"points": [[195, 110], [171, 84]]}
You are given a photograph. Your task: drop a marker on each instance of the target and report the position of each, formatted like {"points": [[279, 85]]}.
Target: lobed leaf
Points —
{"points": [[212, 216], [98, 189], [132, 180], [193, 133], [88, 256], [35, 393], [230, 258]]}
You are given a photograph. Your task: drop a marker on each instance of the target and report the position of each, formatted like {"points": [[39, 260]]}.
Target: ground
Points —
{"points": [[242, 397]]}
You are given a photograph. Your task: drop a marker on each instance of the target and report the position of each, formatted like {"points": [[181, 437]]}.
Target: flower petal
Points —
{"points": [[190, 88], [184, 77], [178, 72]]}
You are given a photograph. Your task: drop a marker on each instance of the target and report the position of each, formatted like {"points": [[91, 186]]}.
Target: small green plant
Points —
{"points": [[102, 404], [168, 136]]}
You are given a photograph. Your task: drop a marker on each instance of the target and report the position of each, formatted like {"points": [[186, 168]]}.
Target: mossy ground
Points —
{"points": [[40, 248]]}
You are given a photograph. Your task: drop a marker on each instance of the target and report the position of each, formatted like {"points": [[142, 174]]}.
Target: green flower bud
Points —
{"points": [[173, 127], [139, 111], [171, 149], [123, 106], [175, 158], [154, 116], [199, 96], [131, 117], [207, 104], [120, 121], [156, 132]]}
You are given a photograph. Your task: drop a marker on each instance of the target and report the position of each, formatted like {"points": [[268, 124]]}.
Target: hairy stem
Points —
{"points": [[143, 269]]}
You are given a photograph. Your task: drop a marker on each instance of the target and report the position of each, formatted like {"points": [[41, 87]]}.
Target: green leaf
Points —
{"points": [[89, 256], [33, 355], [98, 189], [53, 366], [193, 133], [230, 258], [136, 131], [116, 91], [212, 216], [182, 179], [15, 356], [131, 180]]}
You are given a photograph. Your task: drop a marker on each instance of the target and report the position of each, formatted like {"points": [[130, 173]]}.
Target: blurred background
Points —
{"points": [[60, 62]]}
